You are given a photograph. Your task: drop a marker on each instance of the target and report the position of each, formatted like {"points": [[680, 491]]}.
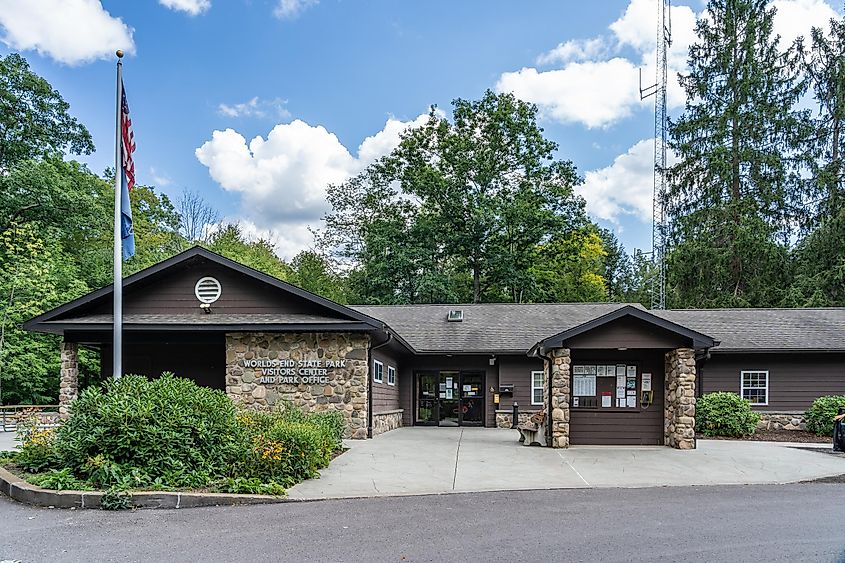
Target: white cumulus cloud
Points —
{"points": [[69, 31], [192, 7], [282, 179], [623, 188], [597, 82], [290, 9]]}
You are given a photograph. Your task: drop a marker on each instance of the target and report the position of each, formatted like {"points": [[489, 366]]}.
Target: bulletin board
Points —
{"points": [[606, 387]]}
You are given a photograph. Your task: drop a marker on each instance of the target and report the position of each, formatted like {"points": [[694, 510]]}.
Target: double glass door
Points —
{"points": [[450, 398]]}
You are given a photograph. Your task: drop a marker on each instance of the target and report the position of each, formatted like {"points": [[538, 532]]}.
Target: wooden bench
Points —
{"points": [[534, 431]]}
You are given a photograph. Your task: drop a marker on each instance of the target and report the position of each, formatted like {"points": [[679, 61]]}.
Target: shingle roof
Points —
{"points": [[766, 329], [488, 327], [508, 327]]}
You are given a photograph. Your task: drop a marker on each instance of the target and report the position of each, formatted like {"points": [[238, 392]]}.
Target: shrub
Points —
{"points": [[169, 433], [135, 431], [724, 414], [250, 485], [116, 499], [59, 480], [332, 423], [820, 415], [37, 449]]}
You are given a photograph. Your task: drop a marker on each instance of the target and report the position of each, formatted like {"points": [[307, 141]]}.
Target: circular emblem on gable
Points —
{"points": [[208, 290]]}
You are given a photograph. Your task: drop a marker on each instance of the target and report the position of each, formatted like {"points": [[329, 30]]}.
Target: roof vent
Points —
{"points": [[208, 290], [455, 316]]}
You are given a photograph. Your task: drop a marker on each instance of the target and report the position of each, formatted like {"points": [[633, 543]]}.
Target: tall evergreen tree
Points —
{"points": [[820, 258], [737, 192]]}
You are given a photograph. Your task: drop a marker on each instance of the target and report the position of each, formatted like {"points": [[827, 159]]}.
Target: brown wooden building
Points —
{"points": [[607, 373]]}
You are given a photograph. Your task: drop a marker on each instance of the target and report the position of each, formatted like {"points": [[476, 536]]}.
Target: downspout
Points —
{"points": [[370, 349], [700, 358]]}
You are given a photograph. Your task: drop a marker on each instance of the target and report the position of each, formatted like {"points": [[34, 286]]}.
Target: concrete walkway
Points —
{"points": [[411, 461]]}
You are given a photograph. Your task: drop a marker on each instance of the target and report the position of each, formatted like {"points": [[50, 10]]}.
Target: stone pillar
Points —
{"points": [[559, 386], [68, 377], [679, 409]]}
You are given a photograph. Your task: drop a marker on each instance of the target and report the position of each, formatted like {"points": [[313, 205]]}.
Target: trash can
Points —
{"points": [[839, 433]]}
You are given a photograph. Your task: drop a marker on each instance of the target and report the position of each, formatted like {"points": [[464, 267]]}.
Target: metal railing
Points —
{"points": [[10, 415]]}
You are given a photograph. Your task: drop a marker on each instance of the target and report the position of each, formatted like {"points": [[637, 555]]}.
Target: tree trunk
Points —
{"points": [[476, 283]]}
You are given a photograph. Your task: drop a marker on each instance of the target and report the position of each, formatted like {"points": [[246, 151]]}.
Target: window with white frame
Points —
{"points": [[538, 378], [378, 371], [391, 375], [755, 387]]}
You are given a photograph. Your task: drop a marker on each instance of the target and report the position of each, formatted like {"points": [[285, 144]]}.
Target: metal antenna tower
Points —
{"points": [[660, 228]]}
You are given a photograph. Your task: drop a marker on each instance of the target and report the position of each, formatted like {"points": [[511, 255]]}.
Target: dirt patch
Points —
{"points": [[780, 436]]}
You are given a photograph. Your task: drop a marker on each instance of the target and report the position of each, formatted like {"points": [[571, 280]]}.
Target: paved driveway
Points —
{"points": [[445, 460]]}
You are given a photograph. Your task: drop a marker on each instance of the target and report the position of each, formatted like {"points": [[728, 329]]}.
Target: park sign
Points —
{"points": [[294, 372]]}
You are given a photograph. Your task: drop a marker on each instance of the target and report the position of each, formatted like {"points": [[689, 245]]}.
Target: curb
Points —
{"points": [[18, 489]]}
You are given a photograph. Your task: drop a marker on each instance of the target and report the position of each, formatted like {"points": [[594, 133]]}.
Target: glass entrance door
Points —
{"points": [[427, 402], [472, 398], [450, 382], [450, 398]]}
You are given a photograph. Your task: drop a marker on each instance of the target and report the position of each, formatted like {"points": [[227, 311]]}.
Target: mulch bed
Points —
{"points": [[779, 436]]}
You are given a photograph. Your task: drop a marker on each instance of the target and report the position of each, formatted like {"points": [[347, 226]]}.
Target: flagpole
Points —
{"points": [[117, 325]]}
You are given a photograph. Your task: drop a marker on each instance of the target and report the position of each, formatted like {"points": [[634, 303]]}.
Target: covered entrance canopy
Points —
{"points": [[625, 378]]}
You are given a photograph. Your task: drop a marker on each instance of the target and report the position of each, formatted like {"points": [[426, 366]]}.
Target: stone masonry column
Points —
{"points": [[559, 386], [679, 409], [68, 377]]}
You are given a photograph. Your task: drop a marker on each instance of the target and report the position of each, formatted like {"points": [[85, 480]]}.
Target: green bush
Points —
{"points": [[250, 485], [136, 430], [820, 415], [116, 499], [59, 480], [169, 433], [37, 450], [724, 414]]}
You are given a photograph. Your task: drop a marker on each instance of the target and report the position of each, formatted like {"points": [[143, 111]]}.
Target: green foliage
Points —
{"points": [[136, 430], [260, 254], [116, 499], [251, 486], [739, 186], [34, 119], [724, 414], [288, 446], [37, 449], [59, 480], [820, 415], [169, 433], [460, 211]]}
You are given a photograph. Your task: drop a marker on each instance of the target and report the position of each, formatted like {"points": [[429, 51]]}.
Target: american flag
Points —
{"points": [[127, 140], [127, 176]]}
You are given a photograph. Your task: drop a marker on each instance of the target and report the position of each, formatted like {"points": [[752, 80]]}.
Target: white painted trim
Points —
{"points": [[391, 369], [378, 372], [742, 387], [533, 387]]}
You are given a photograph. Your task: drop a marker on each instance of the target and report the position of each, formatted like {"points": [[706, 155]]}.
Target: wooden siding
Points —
{"points": [[635, 427], [795, 380], [385, 396], [516, 370], [627, 332], [173, 293]]}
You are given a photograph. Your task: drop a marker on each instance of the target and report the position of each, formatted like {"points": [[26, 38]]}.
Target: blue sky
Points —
{"points": [[327, 85]]}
